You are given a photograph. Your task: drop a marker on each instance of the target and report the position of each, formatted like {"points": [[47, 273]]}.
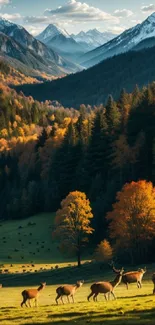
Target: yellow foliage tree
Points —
{"points": [[73, 223], [133, 218], [103, 252]]}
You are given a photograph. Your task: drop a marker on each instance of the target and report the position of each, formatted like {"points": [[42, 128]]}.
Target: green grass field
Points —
{"points": [[131, 307], [23, 239]]}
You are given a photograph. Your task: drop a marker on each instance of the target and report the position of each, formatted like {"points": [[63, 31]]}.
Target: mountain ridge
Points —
{"points": [[122, 43]]}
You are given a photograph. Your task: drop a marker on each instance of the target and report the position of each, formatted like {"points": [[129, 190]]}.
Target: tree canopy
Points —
{"points": [[73, 223]]}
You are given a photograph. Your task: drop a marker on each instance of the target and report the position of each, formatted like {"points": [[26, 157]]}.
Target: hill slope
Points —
{"points": [[27, 240], [92, 86]]}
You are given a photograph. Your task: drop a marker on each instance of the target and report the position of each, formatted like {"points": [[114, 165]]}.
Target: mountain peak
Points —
{"points": [[5, 22], [51, 31]]}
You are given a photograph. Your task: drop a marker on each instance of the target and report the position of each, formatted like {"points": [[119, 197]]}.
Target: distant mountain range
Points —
{"points": [[93, 38], [139, 37], [21, 48], [72, 45], [57, 53], [56, 38]]}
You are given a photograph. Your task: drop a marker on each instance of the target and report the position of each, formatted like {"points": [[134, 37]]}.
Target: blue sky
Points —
{"points": [[77, 15]]}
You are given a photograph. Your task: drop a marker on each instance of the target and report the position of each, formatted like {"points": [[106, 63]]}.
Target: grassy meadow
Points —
{"points": [[29, 242], [23, 239], [131, 307]]}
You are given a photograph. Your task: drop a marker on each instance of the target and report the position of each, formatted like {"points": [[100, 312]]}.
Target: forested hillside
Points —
{"points": [[47, 151], [93, 86]]}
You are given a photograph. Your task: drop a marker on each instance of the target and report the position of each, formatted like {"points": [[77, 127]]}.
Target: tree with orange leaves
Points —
{"points": [[73, 223], [133, 218], [104, 252]]}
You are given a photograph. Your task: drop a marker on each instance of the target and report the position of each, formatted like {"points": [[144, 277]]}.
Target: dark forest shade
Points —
{"points": [[93, 86]]}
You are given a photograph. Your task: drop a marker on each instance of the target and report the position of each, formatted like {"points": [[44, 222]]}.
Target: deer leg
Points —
{"points": [[91, 294], [25, 303], [68, 299], [56, 299], [36, 302], [105, 297], [113, 295], [62, 300], [72, 298], [127, 286], [108, 296], [29, 303], [95, 297]]}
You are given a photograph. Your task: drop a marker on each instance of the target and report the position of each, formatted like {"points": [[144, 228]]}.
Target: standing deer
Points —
{"points": [[153, 280], [105, 287], [68, 290], [32, 294], [132, 276]]}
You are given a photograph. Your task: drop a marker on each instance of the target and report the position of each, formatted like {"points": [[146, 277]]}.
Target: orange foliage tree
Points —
{"points": [[133, 218], [103, 252], [73, 223]]}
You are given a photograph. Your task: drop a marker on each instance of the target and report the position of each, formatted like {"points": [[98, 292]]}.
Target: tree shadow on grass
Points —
{"points": [[136, 296], [133, 317], [14, 318]]}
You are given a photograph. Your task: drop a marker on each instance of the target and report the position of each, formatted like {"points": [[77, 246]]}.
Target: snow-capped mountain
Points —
{"points": [[125, 42], [93, 38], [50, 32], [58, 39], [47, 59]]}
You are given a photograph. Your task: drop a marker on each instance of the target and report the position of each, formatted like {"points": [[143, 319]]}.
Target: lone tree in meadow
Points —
{"points": [[103, 252], [133, 219], [73, 223]]}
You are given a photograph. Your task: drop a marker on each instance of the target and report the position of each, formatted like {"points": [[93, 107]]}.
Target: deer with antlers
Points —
{"points": [[105, 287], [68, 291], [32, 294], [132, 276]]}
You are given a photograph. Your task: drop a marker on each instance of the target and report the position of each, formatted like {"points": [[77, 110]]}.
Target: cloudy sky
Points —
{"points": [[74, 16]]}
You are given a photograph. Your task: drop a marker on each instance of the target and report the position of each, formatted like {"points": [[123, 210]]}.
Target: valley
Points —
{"points": [[77, 162]]}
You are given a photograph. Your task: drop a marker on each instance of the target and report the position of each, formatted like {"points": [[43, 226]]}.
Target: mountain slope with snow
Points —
{"points": [[58, 39], [93, 38], [34, 48], [125, 42]]}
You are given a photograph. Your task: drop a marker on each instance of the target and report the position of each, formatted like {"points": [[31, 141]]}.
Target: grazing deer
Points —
{"points": [[132, 276], [32, 294], [105, 287], [153, 280], [68, 290]]}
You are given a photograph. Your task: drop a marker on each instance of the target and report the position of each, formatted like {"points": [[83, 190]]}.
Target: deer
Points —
{"points": [[68, 291], [153, 280], [32, 294], [105, 287], [132, 276]]}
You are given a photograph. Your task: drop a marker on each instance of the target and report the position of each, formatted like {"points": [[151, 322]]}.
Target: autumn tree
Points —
{"points": [[103, 252], [133, 219], [73, 223]]}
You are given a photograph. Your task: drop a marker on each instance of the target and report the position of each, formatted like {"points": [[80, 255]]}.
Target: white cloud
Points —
{"points": [[78, 11], [123, 13], [11, 17], [4, 2], [36, 19], [149, 8]]}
